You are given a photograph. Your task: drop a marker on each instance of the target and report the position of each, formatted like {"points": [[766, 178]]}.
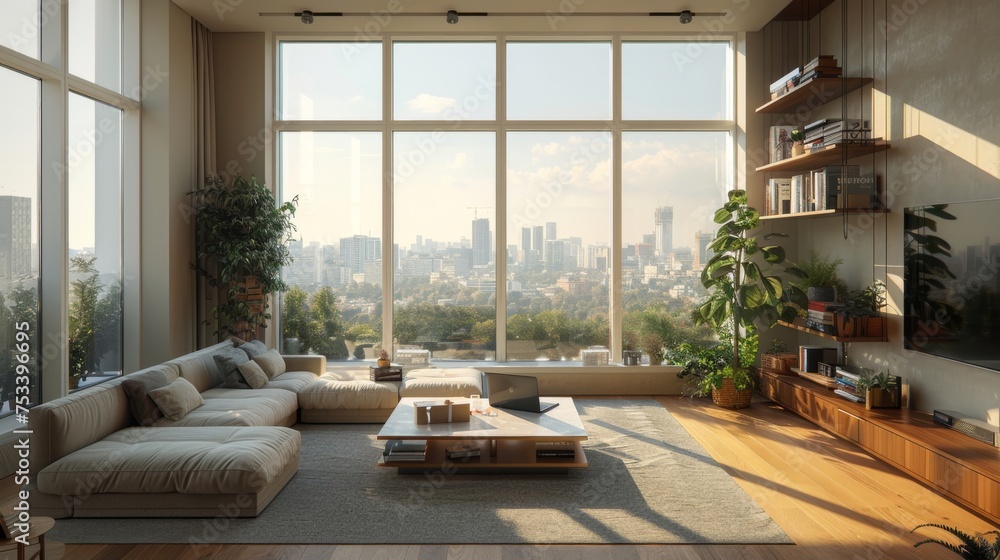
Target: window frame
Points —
{"points": [[501, 126]]}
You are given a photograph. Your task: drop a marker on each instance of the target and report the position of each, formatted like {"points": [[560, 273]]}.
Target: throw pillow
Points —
{"points": [[228, 359], [177, 399], [235, 380], [137, 388], [253, 374], [272, 363], [254, 348]]}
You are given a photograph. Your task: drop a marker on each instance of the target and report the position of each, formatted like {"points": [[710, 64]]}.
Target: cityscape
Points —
{"points": [[558, 281]]}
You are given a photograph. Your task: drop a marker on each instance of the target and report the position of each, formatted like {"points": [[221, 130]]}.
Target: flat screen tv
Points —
{"points": [[951, 281]]}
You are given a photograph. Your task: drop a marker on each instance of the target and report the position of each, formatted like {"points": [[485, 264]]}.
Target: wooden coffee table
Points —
{"points": [[506, 441]]}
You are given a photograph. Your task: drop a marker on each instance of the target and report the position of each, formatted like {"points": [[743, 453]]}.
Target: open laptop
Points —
{"points": [[515, 392]]}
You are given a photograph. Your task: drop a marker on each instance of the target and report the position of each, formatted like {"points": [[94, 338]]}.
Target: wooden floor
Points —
{"points": [[833, 500]]}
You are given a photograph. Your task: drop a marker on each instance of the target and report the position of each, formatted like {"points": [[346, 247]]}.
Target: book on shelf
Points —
{"points": [[809, 76], [461, 451], [823, 305], [818, 124], [849, 396], [824, 317], [778, 196], [800, 194], [405, 450], [847, 124], [560, 449], [821, 61], [780, 143], [783, 82], [820, 327]]}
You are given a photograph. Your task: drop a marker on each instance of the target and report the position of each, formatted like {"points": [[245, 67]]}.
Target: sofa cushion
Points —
{"points": [[293, 381], [229, 359], [252, 374], [137, 388], [215, 460], [272, 363], [200, 368], [253, 348], [238, 407], [450, 382], [349, 389], [177, 399]]}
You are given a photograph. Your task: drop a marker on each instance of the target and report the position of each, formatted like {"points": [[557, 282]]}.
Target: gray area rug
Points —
{"points": [[648, 482]]}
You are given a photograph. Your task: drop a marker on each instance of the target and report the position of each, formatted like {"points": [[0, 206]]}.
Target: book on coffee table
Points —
{"points": [[405, 450]]}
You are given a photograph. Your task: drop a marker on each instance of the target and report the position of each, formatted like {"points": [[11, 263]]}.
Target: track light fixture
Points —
{"points": [[686, 16], [306, 16], [452, 17]]}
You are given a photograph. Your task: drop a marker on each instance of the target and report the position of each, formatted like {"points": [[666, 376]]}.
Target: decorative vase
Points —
{"points": [[384, 363], [798, 149]]}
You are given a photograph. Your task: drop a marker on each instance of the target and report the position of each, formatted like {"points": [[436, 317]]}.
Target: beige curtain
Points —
{"points": [[204, 158]]}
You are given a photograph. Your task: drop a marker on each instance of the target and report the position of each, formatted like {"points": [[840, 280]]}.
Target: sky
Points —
{"points": [[443, 180]]}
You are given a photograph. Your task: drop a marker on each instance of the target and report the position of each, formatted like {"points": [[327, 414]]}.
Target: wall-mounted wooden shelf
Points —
{"points": [[820, 213], [813, 94], [841, 339], [829, 155]]}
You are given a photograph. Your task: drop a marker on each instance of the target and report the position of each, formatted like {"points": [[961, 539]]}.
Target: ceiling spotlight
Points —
{"points": [[686, 16], [306, 16], [452, 17]]}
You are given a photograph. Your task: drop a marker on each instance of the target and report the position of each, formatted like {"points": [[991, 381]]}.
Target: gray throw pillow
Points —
{"points": [[235, 380], [229, 359], [177, 399], [137, 388], [253, 348]]}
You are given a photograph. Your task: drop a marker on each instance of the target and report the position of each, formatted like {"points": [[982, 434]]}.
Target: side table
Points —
{"points": [[39, 526]]}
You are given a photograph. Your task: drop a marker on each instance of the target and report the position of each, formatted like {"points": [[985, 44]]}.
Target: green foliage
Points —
{"points": [[242, 232], [698, 362], [797, 135], [94, 320], [742, 277], [742, 379], [865, 302], [821, 272], [361, 332], [315, 322], [874, 380], [657, 327], [976, 547]]}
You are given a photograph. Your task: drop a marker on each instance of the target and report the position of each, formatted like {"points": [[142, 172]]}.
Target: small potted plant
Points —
{"points": [[383, 358], [778, 359], [822, 282], [880, 389], [859, 317], [697, 362], [797, 146]]}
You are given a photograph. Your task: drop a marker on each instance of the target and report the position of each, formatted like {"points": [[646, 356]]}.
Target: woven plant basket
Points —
{"points": [[730, 397], [780, 363]]}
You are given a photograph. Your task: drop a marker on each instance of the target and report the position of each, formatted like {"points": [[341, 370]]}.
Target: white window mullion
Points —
{"points": [[616, 312], [500, 216], [388, 246]]}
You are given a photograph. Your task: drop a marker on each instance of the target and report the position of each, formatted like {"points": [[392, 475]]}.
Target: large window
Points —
{"points": [[604, 183], [19, 159], [95, 42], [20, 26], [95, 243]]}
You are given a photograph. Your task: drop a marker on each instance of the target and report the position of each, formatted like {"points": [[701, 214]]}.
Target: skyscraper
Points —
{"points": [[702, 239], [538, 241], [15, 238], [358, 250], [481, 242], [664, 232], [550, 231], [525, 245]]}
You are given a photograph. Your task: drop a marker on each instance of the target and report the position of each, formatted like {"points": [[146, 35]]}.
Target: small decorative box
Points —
{"points": [[413, 356], [441, 411], [391, 373], [596, 356]]}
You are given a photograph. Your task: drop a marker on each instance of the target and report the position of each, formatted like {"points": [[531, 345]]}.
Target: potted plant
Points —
{"points": [[745, 286], [798, 137], [822, 282], [880, 389], [972, 548], [242, 238], [697, 362], [859, 316], [778, 359], [383, 358]]}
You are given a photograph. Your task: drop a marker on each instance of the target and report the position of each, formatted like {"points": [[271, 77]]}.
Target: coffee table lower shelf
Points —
{"points": [[500, 455]]}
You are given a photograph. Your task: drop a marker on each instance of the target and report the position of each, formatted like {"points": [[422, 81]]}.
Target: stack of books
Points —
{"points": [[828, 132], [555, 450], [823, 66], [847, 385], [462, 451], [388, 373], [397, 450], [821, 316], [783, 84]]}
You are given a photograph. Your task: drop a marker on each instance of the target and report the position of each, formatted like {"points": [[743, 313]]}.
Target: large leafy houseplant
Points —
{"points": [[743, 280], [973, 547], [242, 243]]}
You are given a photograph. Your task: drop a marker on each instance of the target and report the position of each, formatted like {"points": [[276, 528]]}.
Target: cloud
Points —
{"points": [[550, 149], [458, 162], [431, 104]]}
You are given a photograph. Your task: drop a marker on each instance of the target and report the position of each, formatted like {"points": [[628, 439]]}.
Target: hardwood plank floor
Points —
{"points": [[833, 500]]}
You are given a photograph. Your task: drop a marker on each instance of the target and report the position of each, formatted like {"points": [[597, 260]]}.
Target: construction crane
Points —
{"points": [[475, 210]]}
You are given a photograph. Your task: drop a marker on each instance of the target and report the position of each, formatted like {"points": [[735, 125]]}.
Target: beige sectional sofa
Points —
{"points": [[89, 457]]}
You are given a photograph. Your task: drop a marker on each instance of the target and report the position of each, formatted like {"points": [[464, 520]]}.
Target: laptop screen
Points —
{"points": [[516, 392]]}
